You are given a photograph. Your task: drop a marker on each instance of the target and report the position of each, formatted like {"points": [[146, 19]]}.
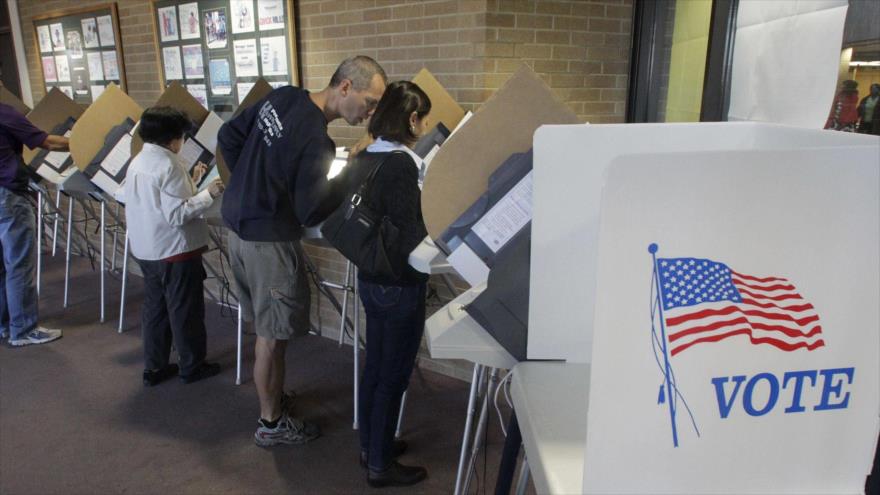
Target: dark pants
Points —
{"points": [[174, 307], [395, 323]]}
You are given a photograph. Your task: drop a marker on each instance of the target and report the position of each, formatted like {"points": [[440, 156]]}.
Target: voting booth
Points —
{"points": [[731, 341], [55, 114]]}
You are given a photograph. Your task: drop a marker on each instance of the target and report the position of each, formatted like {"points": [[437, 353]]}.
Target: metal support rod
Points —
{"points": [[522, 482], [124, 279], [466, 437], [39, 239], [55, 223], [103, 229], [238, 349], [400, 415], [67, 249], [115, 232], [345, 288], [356, 344], [481, 428]]}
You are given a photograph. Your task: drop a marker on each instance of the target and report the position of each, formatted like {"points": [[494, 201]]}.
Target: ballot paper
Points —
{"points": [[189, 153]]}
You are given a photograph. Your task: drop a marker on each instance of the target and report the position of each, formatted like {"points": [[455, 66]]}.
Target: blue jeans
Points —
{"points": [[395, 323], [18, 292]]}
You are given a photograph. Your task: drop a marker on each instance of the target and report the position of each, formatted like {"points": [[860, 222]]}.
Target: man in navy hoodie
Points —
{"points": [[279, 153]]}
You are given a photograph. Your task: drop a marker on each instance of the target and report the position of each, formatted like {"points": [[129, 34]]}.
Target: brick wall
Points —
{"points": [[579, 47]]}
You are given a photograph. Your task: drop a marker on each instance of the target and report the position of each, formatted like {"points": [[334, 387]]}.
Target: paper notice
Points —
{"points": [[507, 217], [118, 156]]}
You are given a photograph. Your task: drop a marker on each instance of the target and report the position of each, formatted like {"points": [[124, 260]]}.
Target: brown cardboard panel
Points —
{"points": [[52, 110], [177, 97], [108, 111], [10, 99], [504, 125], [443, 106], [261, 89]]}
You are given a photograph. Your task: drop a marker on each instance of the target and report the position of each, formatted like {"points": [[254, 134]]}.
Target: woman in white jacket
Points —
{"points": [[167, 236]]}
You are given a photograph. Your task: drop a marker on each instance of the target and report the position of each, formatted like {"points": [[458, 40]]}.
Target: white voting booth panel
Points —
{"points": [[569, 164], [755, 368]]}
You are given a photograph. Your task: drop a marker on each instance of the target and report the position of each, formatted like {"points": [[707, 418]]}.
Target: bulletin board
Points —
{"points": [[218, 49], [80, 51]]}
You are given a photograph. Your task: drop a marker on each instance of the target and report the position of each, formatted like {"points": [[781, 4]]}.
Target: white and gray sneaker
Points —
{"points": [[38, 335], [289, 430], [4, 334]]}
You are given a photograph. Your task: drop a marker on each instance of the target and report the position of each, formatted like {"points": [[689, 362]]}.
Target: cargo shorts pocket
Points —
{"points": [[290, 308]]}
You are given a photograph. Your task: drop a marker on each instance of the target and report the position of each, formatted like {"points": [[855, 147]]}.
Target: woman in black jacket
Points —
{"points": [[395, 306]]}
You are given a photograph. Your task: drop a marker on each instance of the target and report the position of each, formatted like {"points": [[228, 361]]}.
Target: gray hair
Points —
{"points": [[359, 70]]}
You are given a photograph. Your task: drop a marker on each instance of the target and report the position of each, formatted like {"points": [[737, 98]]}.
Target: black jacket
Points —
{"points": [[395, 192], [278, 153]]}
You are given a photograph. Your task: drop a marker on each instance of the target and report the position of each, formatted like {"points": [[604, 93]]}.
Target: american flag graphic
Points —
{"points": [[705, 301]]}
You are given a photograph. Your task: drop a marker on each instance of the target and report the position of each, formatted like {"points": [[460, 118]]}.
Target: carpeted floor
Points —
{"points": [[75, 418]]}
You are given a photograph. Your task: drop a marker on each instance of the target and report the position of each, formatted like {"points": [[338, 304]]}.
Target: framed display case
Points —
{"points": [[218, 49], [80, 51]]}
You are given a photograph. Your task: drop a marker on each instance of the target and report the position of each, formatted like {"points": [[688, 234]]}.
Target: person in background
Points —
{"points": [[395, 307], [18, 292], [279, 153], [167, 240], [843, 116], [869, 112]]}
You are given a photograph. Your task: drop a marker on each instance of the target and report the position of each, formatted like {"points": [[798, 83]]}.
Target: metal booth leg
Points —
{"points": [[103, 228], [356, 344], [67, 249], [481, 428], [466, 437], [39, 239], [238, 349], [124, 279], [55, 222]]}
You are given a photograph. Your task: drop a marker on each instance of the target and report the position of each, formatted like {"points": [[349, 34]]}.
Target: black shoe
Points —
{"points": [[398, 447], [155, 377], [205, 370], [396, 475]]}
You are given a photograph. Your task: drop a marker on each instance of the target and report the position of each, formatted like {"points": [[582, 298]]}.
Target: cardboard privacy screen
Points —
{"points": [[504, 125], [10, 99], [177, 97], [51, 111], [259, 91], [736, 347], [110, 109], [443, 106]]}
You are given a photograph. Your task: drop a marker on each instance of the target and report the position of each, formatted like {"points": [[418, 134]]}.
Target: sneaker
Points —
{"points": [[4, 334], [289, 430], [38, 335], [396, 474], [205, 370], [155, 377]]}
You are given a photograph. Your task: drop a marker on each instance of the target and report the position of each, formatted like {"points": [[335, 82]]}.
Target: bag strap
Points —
{"points": [[367, 185]]}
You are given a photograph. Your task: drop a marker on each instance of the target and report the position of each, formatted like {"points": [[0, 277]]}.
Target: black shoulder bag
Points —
{"points": [[362, 234]]}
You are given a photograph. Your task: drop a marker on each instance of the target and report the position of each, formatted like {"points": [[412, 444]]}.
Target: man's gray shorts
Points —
{"points": [[272, 286]]}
